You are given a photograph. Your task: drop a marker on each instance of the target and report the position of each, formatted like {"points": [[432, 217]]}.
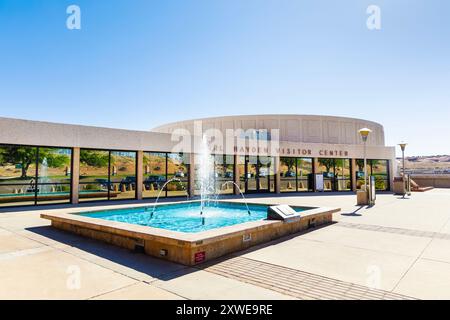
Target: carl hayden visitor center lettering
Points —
{"points": [[53, 163]]}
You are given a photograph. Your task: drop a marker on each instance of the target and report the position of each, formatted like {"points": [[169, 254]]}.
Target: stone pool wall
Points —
{"points": [[185, 248]]}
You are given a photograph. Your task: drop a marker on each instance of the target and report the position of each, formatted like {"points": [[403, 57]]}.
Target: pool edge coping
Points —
{"points": [[151, 233]]}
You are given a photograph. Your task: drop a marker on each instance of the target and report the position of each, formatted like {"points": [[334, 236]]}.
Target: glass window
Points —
{"points": [[272, 179], [326, 167], [380, 170], [336, 174], [241, 171], [305, 174], [224, 173], [17, 195], [296, 174], [343, 175], [17, 175], [107, 175], [288, 175], [377, 168], [197, 184], [94, 175], [360, 172], [210, 186], [155, 171], [31, 175], [178, 171], [122, 175], [17, 164], [54, 175], [252, 174]]}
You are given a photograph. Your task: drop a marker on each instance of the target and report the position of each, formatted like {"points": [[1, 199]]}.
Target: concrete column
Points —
{"points": [[277, 175], [236, 174], [139, 174], [316, 170], [75, 175], [353, 173], [392, 172], [191, 174]]}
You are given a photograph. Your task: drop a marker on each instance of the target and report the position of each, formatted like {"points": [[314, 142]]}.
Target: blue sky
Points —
{"points": [[137, 64]]}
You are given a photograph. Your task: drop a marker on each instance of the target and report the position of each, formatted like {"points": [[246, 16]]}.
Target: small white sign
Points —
{"points": [[246, 237], [319, 182]]}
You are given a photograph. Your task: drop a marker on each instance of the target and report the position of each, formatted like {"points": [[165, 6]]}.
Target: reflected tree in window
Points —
{"points": [[22, 156], [94, 158]]}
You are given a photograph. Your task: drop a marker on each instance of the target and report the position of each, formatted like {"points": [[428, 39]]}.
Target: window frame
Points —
{"points": [[36, 202], [108, 198]]}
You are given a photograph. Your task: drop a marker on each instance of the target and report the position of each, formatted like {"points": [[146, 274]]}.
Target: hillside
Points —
{"points": [[439, 163]]}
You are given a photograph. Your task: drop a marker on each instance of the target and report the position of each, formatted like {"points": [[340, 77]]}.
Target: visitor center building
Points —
{"points": [[46, 163]]}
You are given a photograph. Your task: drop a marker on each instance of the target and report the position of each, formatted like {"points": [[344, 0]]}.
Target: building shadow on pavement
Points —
{"points": [[113, 257], [103, 254]]}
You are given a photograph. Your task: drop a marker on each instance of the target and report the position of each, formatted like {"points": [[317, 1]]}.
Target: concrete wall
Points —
{"points": [[17, 131], [295, 128], [436, 180]]}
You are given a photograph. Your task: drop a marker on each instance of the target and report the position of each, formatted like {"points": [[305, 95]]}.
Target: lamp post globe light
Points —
{"points": [[364, 132]]}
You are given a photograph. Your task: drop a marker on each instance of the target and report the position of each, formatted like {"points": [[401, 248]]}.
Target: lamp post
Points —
{"points": [[364, 132], [403, 146], [405, 189]]}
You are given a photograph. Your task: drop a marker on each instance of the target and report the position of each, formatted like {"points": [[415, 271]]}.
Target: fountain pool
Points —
{"points": [[177, 232], [184, 217], [192, 232]]}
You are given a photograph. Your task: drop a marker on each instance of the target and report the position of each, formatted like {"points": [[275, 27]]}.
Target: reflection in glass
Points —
{"points": [[288, 180], [177, 167], [223, 172], [54, 175], [378, 168], [343, 174], [304, 174], [122, 175], [336, 174], [22, 184], [17, 164], [154, 174], [94, 175], [326, 167], [94, 165], [93, 191], [251, 174], [296, 174], [16, 195], [241, 172]]}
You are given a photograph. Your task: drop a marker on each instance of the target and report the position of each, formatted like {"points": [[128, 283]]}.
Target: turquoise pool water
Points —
{"points": [[186, 217]]}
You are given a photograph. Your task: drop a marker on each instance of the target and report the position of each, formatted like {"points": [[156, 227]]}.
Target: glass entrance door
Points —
{"points": [[257, 175]]}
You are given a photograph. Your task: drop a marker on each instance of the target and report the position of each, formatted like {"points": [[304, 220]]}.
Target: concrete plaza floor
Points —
{"points": [[399, 246]]}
